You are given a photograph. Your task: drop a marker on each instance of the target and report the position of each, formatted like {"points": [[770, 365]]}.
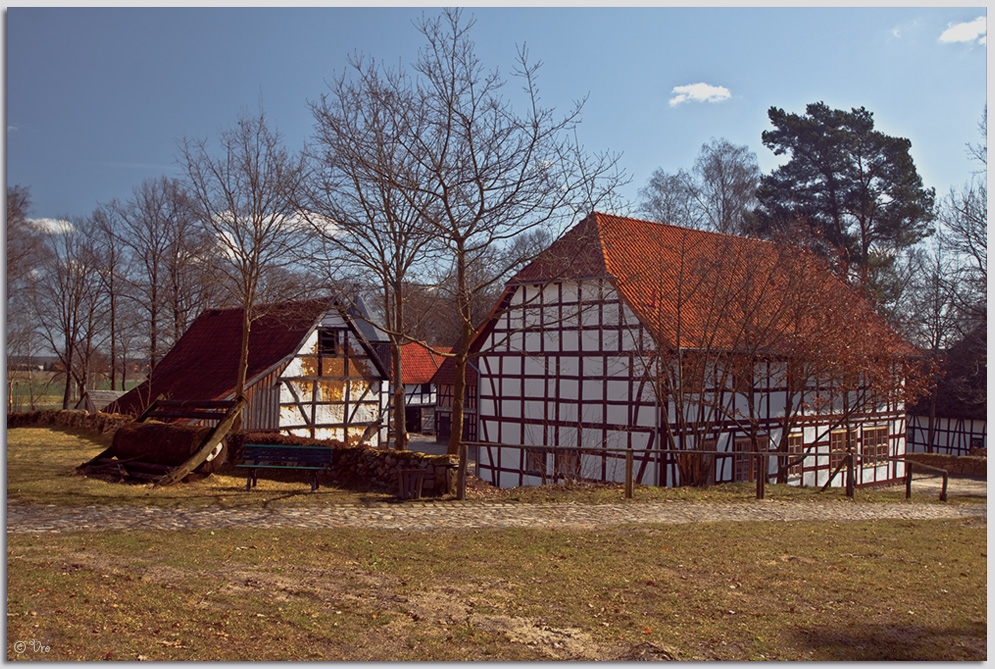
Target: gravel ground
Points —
{"points": [[427, 515]]}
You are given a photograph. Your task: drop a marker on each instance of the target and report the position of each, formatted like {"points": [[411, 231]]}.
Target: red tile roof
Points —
{"points": [[202, 365], [697, 289], [418, 364]]}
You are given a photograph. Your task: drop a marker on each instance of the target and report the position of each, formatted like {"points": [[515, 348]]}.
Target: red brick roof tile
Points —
{"points": [[418, 364], [697, 289]]}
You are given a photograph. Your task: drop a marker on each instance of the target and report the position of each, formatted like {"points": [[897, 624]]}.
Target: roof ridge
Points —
{"points": [[679, 227]]}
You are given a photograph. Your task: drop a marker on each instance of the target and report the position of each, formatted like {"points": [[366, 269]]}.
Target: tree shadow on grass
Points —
{"points": [[896, 642]]}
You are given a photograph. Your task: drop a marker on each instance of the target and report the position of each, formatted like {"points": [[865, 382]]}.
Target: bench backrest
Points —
{"points": [[312, 455]]}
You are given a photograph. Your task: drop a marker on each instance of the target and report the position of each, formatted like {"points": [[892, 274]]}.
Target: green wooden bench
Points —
{"points": [[273, 456]]}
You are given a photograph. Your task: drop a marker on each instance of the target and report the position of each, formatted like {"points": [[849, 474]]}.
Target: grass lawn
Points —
{"points": [[810, 591], [888, 590]]}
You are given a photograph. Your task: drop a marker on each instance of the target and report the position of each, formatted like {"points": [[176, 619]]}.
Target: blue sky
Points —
{"points": [[96, 99]]}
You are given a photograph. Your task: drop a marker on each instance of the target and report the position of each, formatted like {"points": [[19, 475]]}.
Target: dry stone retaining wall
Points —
{"points": [[962, 465]]}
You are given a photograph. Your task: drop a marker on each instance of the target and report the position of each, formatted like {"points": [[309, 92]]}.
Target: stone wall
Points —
{"points": [[365, 465], [963, 465]]}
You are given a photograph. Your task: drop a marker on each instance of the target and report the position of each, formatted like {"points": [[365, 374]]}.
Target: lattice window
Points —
{"points": [[796, 447], [839, 442], [568, 465], [535, 462], [328, 343], [874, 442], [743, 463]]}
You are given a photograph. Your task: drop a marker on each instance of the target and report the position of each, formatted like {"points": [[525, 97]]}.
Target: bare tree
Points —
{"points": [[69, 303], [450, 155], [246, 193], [489, 174], [25, 254], [717, 194], [169, 255], [740, 324], [363, 218]]}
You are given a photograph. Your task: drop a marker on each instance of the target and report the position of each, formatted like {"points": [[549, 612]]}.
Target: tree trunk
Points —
{"points": [[400, 430]]}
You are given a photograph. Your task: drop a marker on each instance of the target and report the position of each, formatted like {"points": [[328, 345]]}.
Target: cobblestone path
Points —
{"points": [[442, 516]]}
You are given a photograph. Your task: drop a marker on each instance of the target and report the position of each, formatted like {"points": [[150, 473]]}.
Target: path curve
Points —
{"points": [[421, 516]]}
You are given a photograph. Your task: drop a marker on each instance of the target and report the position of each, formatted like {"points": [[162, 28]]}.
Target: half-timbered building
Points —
{"points": [[952, 419], [315, 370], [444, 381], [418, 365], [584, 357]]}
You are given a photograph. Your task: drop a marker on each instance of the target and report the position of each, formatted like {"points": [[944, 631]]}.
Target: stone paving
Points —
{"points": [[426, 515]]}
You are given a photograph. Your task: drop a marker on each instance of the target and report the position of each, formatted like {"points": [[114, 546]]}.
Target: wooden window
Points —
{"points": [[874, 442], [796, 447], [743, 463], [839, 442], [535, 462], [568, 465], [328, 343]]}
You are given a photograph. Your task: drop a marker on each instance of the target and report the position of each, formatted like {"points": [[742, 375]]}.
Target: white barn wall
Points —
{"points": [[575, 383]]}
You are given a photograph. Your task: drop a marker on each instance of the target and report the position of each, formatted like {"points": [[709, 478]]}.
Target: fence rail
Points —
{"points": [[762, 463]]}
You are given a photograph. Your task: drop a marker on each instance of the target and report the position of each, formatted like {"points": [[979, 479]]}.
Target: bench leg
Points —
{"points": [[314, 481], [248, 481]]}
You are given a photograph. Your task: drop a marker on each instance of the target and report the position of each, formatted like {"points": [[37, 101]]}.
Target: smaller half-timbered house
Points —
{"points": [[313, 371], [952, 419], [443, 380], [418, 366]]}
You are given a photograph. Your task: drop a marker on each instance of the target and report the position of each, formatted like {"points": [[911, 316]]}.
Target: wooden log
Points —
{"points": [[197, 404], [215, 437], [191, 414]]}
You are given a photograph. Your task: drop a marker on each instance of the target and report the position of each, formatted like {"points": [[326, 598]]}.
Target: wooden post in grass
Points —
{"points": [[761, 477], [908, 480], [849, 474], [628, 474], [461, 472]]}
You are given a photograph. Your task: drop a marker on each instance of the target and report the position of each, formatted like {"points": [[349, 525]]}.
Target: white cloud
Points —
{"points": [[699, 92], [967, 32], [51, 226], [11, 128]]}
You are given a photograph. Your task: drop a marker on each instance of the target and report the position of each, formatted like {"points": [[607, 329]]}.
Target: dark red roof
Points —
{"points": [[446, 374], [203, 364], [419, 364]]}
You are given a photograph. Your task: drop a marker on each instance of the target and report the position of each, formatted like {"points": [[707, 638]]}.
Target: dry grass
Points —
{"points": [[888, 590], [41, 464], [788, 591]]}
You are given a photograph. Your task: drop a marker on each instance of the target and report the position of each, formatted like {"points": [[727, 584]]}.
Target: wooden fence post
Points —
{"points": [[628, 474], [761, 477], [849, 475], [461, 472]]}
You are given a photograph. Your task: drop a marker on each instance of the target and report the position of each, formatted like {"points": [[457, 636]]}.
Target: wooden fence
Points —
{"points": [[762, 464]]}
